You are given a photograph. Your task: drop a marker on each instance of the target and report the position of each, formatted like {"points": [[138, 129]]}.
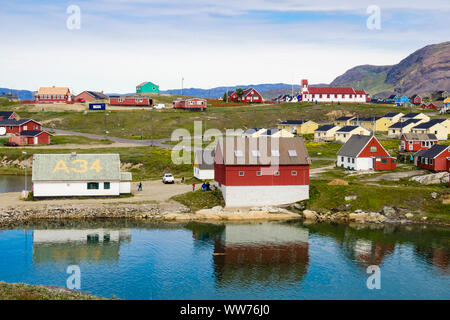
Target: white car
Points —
{"points": [[168, 178], [159, 106]]}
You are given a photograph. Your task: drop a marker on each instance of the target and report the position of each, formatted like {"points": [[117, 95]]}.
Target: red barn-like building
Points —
{"points": [[192, 104], [25, 132], [416, 99], [365, 153], [413, 142], [434, 159], [249, 95], [261, 171], [128, 101]]}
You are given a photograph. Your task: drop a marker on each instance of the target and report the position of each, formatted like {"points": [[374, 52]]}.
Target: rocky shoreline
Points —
{"points": [[10, 217]]}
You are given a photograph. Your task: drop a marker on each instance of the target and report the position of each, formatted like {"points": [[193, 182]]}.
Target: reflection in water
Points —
{"points": [[12, 183], [263, 253], [75, 246], [288, 260]]}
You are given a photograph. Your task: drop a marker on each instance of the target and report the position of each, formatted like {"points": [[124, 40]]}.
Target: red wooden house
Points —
{"points": [[25, 132], [435, 159], [415, 99], [413, 142], [8, 115], [192, 104], [53, 95], [130, 101], [365, 153], [261, 171], [249, 95]]}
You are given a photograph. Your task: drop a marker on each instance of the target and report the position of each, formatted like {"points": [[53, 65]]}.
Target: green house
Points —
{"points": [[147, 87]]}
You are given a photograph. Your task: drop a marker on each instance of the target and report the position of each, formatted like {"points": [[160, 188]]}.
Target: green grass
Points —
{"points": [[133, 123], [19, 291], [413, 197], [58, 140], [200, 200], [155, 161]]}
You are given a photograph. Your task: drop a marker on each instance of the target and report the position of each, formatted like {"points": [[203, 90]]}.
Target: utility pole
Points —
{"points": [[182, 82], [26, 165]]}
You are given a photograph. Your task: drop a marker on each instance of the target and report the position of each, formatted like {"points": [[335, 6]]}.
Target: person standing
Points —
{"points": [[140, 186], [193, 187]]}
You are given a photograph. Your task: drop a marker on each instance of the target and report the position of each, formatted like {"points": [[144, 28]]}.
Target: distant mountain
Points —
{"points": [[424, 71], [21, 94], [218, 92]]}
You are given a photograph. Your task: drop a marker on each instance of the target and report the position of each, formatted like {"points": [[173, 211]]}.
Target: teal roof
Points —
{"points": [[79, 167]]}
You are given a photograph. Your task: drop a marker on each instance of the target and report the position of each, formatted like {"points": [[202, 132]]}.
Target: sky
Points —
{"points": [[113, 45]]}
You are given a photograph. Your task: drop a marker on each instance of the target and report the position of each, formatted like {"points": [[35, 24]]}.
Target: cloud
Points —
{"points": [[122, 43]]}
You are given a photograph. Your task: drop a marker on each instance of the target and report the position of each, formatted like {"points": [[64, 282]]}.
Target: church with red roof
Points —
{"points": [[332, 94]]}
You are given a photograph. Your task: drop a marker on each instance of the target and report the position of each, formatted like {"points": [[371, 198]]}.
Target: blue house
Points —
{"points": [[403, 101]]}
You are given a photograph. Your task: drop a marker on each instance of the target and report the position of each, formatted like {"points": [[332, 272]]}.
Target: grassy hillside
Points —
{"points": [[161, 123]]}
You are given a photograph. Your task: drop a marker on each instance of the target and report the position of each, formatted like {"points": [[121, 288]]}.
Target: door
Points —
{"points": [[36, 140]]}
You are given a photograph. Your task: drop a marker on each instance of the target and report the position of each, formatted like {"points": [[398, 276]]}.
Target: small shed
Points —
{"points": [[97, 106], [204, 164]]}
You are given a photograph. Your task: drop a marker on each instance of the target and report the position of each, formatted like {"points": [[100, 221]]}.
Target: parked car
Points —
{"points": [[11, 144], [168, 178], [81, 100]]}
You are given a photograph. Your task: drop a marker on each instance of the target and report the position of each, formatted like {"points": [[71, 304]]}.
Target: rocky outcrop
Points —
{"points": [[386, 215], [433, 178]]}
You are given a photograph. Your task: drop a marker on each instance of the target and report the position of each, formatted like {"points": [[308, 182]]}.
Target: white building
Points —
{"points": [[204, 164], [332, 94], [79, 175]]}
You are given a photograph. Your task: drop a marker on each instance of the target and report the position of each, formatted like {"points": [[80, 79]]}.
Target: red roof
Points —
{"points": [[360, 92], [331, 90]]}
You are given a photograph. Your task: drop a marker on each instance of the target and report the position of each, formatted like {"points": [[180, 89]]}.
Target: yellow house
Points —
{"points": [[345, 133], [326, 132], [415, 115], [343, 121], [298, 126], [375, 123], [397, 129], [393, 117], [434, 126]]}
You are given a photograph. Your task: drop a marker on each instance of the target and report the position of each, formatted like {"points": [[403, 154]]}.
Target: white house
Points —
{"points": [[332, 94], [79, 175], [345, 133], [204, 164], [326, 133]]}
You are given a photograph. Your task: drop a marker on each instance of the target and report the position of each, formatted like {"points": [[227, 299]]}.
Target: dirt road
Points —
{"points": [[153, 191]]}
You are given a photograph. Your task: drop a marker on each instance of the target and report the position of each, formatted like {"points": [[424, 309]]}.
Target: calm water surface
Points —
{"points": [[289, 260], [11, 183]]}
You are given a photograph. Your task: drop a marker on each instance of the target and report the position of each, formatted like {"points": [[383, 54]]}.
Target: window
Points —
{"points": [[276, 173], [238, 153], [353, 160], [294, 173], [258, 173], [92, 186], [256, 153], [107, 185], [431, 161], [348, 159], [342, 159], [121, 99], [392, 161], [384, 161], [292, 153], [241, 173], [275, 153], [373, 149]]}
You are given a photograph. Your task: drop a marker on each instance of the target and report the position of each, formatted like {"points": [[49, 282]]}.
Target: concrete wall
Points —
{"points": [[72, 189], [248, 196]]}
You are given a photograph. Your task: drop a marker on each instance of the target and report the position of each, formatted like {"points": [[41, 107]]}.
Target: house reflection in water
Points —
{"points": [[261, 253], [367, 252], [74, 246]]}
